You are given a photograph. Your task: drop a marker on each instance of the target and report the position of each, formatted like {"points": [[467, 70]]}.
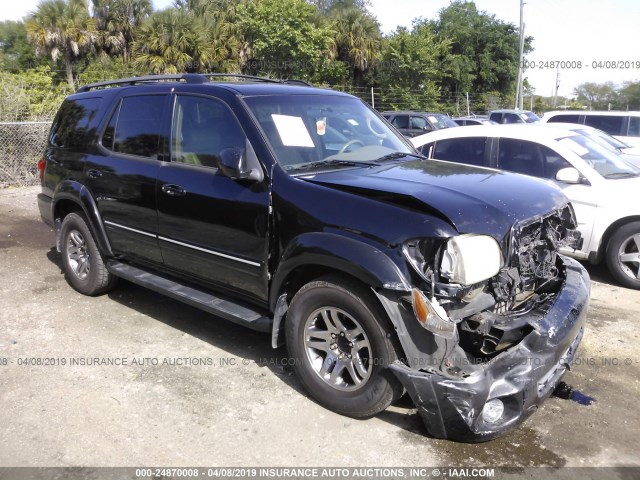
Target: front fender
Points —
{"points": [[348, 255], [77, 193]]}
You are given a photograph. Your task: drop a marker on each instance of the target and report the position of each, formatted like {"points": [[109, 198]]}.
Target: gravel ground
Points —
{"points": [[245, 407]]}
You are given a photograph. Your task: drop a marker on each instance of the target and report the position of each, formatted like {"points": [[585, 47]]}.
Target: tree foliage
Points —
{"points": [[62, 28]]}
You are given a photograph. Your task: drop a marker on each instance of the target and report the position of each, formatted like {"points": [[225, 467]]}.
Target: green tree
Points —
{"points": [[598, 96], [194, 36], [62, 29], [629, 98], [485, 50], [16, 53], [30, 95], [284, 37], [357, 41], [117, 22], [409, 72]]}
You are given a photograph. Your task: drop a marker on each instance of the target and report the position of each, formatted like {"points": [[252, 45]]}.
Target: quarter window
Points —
{"points": [[76, 123]]}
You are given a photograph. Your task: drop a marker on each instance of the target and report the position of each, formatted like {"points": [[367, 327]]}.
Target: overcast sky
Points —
{"points": [[584, 31]]}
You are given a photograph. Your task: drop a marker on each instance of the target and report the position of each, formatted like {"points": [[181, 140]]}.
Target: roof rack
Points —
{"points": [[194, 78]]}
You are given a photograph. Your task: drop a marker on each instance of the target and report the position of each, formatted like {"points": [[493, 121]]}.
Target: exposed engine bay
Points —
{"points": [[497, 314]]}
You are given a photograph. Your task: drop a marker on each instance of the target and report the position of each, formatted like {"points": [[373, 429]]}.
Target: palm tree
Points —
{"points": [[117, 22], [194, 36], [62, 28], [357, 40]]}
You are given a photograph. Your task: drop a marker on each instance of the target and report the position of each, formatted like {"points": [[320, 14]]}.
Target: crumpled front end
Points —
{"points": [[486, 354]]}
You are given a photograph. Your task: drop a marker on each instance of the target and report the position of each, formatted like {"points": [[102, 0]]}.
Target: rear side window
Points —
{"points": [[529, 158], [607, 123], [135, 128], [401, 121], [76, 122], [634, 126], [470, 151], [564, 119]]}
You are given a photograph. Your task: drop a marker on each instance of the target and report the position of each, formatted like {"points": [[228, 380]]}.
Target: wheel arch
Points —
{"points": [[608, 233], [72, 196]]}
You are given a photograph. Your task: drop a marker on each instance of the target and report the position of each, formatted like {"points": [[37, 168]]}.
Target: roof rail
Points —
{"points": [[196, 78]]}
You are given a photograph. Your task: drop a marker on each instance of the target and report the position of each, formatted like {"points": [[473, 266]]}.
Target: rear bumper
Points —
{"points": [[45, 207], [522, 377]]}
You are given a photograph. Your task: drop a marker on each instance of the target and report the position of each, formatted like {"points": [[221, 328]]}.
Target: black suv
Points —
{"points": [[412, 124], [382, 272]]}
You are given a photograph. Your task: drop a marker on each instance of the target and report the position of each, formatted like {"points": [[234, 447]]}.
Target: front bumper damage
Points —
{"points": [[522, 377]]}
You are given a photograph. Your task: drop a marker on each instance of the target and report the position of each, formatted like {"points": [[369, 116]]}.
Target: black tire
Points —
{"points": [[366, 387], [622, 243], [84, 267]]}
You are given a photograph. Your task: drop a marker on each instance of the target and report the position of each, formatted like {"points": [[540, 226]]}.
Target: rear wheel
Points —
{"points": [[84, 266], [623, 255], [341, 344]]}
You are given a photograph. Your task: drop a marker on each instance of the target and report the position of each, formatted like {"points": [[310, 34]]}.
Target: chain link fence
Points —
{"points": [[22, 144]]}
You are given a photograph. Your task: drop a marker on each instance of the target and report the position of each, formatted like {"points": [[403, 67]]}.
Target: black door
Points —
{"points": [[122, 175], [211, 228]]}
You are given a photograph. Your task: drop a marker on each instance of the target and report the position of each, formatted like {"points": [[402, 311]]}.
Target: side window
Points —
{"points": [[401, 121], [202, 128], [512, 118], [520, 156], [552, 162], [76, 123], [634, 126], [135, 127], [470, 151], [418, 123], [607, 123], [564, 119]]}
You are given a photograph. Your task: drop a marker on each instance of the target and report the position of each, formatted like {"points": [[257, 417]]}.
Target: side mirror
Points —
{"points": [[233, 164], [568, 175]]}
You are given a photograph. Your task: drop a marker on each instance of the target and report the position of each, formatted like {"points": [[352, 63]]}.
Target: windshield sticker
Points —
{"points": [[433, 119], [292, 131], [321, 125]]}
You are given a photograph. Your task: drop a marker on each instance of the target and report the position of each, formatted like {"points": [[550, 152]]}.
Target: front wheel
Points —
{"points": [[623, 255], [341, 344], [83, 265]]}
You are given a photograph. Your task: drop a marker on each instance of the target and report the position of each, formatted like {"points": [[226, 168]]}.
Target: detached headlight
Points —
{"points": [[470, 259]]}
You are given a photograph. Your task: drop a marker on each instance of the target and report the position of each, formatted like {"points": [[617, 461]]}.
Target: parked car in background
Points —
{"points": [[625, 126], [473, 121], [627, 152], [601, 186], [411, 124], [380, 272], [513, 116]]}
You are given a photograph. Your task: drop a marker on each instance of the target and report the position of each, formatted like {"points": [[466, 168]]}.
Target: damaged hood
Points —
{"points": [[472, 199]]}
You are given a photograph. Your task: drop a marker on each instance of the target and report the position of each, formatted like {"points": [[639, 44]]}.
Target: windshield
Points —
{"points": [[604, 161], [442, 121], [324, 130], [529, 117], [603, 139]]}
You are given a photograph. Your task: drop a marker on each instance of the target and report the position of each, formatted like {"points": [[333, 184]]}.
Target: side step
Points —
{"points": [[227, 309]]}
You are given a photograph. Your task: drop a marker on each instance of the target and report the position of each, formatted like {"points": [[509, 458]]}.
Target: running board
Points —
{"points": [[227, 309]]}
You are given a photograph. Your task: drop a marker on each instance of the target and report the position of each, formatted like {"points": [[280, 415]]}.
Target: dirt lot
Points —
{"points": [[246, 408]]}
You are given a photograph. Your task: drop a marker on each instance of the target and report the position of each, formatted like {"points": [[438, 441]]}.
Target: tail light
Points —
{"points": [[41, 164]]}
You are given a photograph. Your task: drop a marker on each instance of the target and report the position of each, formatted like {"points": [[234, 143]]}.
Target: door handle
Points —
{"points": [[173, 190], [93, 173]]}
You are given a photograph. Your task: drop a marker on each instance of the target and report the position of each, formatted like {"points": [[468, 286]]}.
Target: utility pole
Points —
{"points": [[519, 87], [555, 90]]}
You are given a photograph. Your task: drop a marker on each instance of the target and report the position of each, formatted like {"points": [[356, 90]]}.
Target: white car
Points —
{"points": [[625, 126], [627, 152], [603, 188]]}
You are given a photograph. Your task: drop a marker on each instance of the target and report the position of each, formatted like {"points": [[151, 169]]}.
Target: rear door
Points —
{"points": [[211, 228], [122, 175]]}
